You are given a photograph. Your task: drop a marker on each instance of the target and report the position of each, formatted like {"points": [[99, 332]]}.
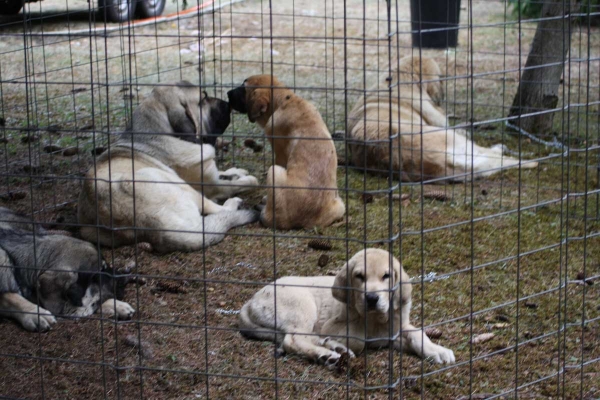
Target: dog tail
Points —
{"points": [[483, 161], [250, 330]]}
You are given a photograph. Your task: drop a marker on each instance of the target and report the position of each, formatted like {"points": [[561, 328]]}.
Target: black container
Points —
{"points": [[440, 15]]}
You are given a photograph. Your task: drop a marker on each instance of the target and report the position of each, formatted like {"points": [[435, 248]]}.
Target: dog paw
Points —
{"points": [[113, 307], [250, 180], [124, 310], [500, 148], [232, 174], [247, 217], [38, 323], [279, 352], [329, 359], [233, 204], [336, 346], [441, 355]]}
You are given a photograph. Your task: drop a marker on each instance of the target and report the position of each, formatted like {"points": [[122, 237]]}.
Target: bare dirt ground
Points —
{"points": [[506, 254]]}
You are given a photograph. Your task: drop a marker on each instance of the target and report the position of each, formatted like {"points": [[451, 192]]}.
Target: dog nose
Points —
{"points": [[372, 299], [230, 93]]}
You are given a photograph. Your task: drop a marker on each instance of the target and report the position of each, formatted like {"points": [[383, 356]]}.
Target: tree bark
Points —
{"points": [[540, 82]]}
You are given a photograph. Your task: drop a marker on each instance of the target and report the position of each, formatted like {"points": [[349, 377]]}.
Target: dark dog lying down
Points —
{"points": [[42, 275]]}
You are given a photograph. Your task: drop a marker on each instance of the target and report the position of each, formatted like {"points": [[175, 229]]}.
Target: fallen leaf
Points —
{"points": [[484, 337], [403, 196]]}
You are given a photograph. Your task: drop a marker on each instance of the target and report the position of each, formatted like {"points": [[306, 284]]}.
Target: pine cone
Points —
{"points": [[436, 195], [250, 143], [320, 244], [70, 152], [323, 260], [98, 150], [51, 148], [433, 333], [170, 287], [13, 196], [343, 364]]}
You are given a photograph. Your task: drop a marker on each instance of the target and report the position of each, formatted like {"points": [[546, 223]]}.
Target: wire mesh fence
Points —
{"points": [[465, 147]]}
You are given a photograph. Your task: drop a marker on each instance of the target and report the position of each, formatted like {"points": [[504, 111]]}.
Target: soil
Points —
{"points": [[503, 255]]}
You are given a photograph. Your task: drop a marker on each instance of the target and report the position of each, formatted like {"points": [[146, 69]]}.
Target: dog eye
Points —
{"points": [[385, 276], [360, 277]]}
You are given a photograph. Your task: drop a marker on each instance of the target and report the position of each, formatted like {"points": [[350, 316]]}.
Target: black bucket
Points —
{"points": [[441, 15]]}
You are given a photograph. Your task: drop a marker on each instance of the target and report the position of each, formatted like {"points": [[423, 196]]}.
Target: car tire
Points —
{"points": [[10, 7], [149, 8], [116, 10]]}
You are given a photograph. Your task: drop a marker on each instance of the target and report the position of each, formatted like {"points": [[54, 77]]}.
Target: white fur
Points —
{"points": [[309, 307]]}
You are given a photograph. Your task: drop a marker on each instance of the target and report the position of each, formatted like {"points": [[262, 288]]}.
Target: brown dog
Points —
{"points": [[422, 147], [304, 193]]}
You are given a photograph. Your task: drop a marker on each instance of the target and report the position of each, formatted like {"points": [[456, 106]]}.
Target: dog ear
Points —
{"points": [[435, 90], [431, 72], [340, 289], [403, 288], [259, 104], [340, 283], [183, 118], [191, 111]]}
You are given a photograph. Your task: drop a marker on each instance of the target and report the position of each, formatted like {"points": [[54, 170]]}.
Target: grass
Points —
{"points": [[505, 251]]}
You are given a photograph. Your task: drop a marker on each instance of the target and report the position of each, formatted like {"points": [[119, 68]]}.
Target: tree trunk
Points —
{"points": [[539, 85]]}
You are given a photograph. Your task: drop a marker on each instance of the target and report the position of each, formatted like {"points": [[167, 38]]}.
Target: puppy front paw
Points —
{"points": [[336, 346], [250, 180], [500, 148], [440, 354], [233, 204], [35, 322], [232, 174], [122, 310], [329, 358]]}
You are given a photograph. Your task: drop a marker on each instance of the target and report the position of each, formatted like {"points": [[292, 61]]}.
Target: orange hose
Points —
{"points": [[183, 12]]}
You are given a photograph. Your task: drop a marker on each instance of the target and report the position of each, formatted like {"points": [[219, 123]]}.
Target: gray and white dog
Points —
{"points": [[43, 275], [158, 180]]}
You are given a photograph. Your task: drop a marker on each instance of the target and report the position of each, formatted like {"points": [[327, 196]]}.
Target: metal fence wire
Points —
{"points": [[461, 137]]}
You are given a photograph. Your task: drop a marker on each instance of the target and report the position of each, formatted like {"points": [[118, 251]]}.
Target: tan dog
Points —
{"points": [[422, 147], [354, 305], [160, 179], [305, 157]]}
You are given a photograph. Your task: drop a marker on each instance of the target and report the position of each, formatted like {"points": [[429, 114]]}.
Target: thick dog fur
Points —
{"points": [[182, 111], [158, 183], [43, 275], [322, 317], [422, 147], [304, 193]]}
